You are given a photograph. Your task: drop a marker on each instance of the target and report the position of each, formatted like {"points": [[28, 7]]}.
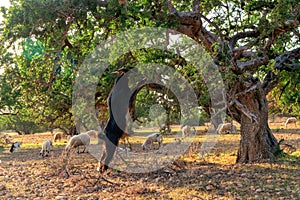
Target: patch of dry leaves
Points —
{"points": [[25, 175]]}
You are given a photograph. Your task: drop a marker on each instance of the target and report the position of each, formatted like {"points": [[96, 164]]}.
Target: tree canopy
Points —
{"points": [[254, 43]]}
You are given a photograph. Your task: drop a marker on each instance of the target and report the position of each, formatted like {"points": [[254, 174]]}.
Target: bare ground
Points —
{"points": [[25, 175]]}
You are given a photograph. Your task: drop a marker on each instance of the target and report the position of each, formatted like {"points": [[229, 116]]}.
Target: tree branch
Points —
{"points": [[101, 3], [252, 64], [270, 81], [215, 26], [191, 24], [171, 7], [249, 90], [244, 110], [242, 35], [286, 61], [242, 52], [195, 6]]}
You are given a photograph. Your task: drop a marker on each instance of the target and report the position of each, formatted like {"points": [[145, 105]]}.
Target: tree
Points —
{"points": [[43, 67], [253, 43]]}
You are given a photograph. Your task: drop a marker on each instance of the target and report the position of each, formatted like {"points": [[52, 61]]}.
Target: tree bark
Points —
{"points": [[257, 141]]}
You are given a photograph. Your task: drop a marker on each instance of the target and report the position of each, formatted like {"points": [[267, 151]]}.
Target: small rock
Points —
{"points": [[2, 193], [240, 185], [221, 192], [158, 180], [81, 198], [230, 173], [2, 187], [209, 187], [258, 190], [61, 197], [96, 188]]}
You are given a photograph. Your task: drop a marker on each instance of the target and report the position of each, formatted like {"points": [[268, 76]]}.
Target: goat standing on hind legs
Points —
{"points": [[118, 103]]}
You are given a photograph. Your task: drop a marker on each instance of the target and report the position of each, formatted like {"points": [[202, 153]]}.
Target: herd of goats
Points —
{"points": [[84, 139], [114, 131]]}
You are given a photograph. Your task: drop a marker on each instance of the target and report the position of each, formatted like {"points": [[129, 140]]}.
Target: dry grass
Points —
{"points": [[25, 175]]}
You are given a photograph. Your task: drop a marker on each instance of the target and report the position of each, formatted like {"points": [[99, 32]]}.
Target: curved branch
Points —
{"points": [[242, 35], [252, 64], [286, 61], [214, 25], [242, 108]]}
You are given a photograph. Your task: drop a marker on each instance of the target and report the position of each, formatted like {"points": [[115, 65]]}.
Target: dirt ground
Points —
{"points": [[26, 175]]}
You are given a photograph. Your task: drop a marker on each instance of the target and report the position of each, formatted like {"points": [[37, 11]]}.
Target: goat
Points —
{"points": [[186, 130], [117, 124], [46, 148], [154, 137], [15, 146], [83, 139], [57, 136], [226, 128]]}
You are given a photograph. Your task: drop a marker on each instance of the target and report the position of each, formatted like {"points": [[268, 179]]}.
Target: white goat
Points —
{"points": [[226, 128], [154, 137], [57, 136], [46, 148], [291, 120], [186, 131], [83, 139]]}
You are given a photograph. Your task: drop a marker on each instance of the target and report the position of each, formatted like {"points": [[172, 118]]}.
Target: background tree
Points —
{"points": [[253, 43], [285, 99]]}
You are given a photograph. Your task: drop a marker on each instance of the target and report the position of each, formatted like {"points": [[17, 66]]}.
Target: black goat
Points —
{"points": [[118, 109]]}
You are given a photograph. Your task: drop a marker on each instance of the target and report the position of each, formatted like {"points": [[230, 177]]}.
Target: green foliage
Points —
{"points": [[22, 125], [286, 96], [54, 37]]}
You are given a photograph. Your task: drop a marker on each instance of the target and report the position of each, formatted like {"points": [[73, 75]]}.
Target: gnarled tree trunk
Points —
{"points": [[257, 141]]}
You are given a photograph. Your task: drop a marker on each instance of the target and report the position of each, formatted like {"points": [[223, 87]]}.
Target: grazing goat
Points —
{"points": [[57, 136], [186, 131], [15, 146], [226, 128], [154, 137], [83, 139], [46, 148], [291, 120]]}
